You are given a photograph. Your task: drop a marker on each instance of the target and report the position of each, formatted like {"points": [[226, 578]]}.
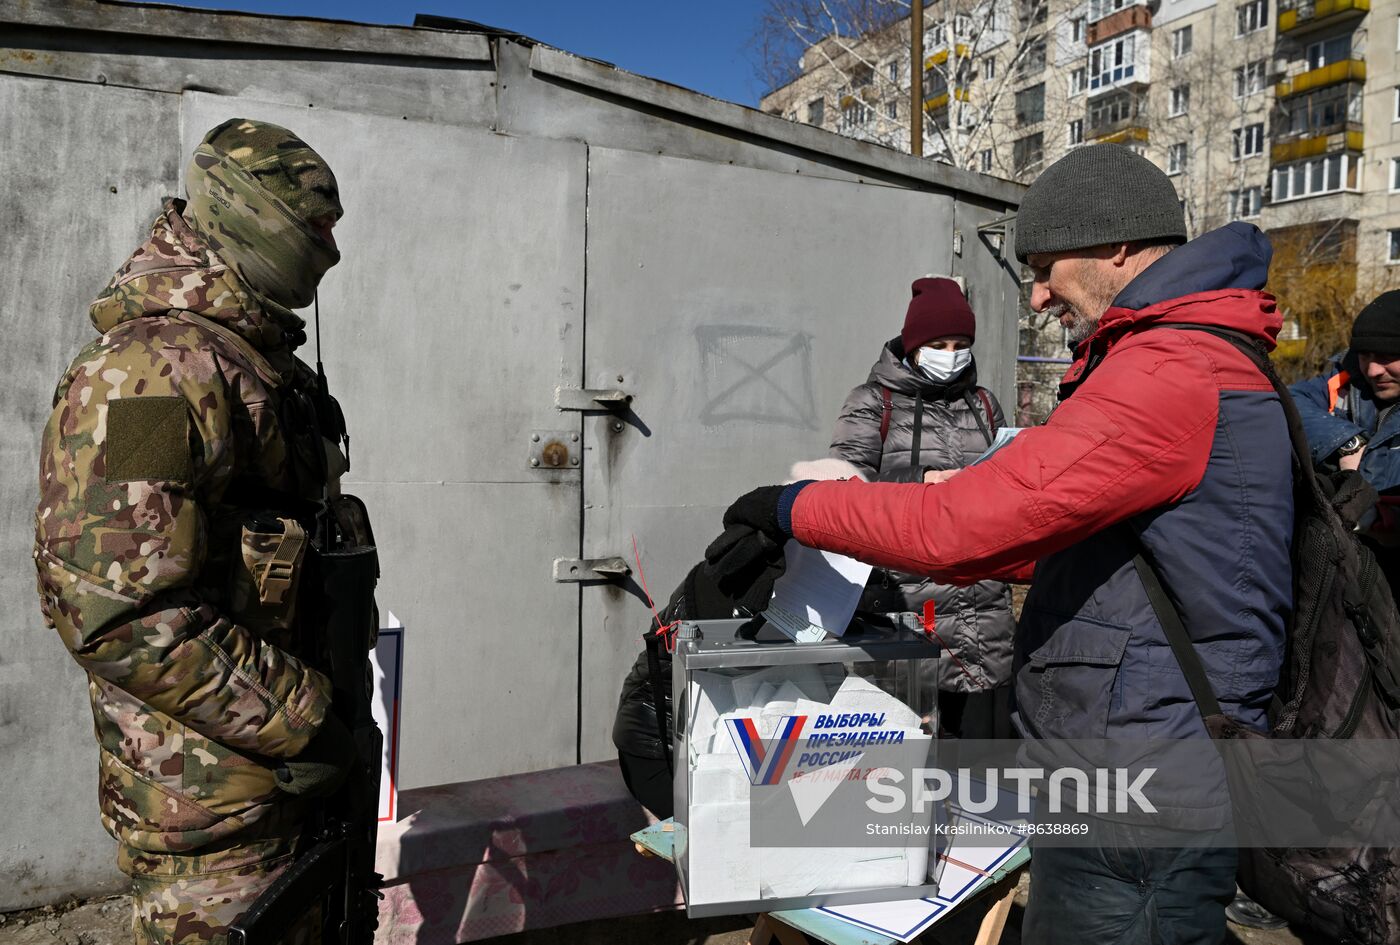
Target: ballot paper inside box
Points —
{"points": [[773, 741]]}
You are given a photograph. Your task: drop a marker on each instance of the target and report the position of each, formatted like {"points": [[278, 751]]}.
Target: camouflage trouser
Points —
{"points": [[191, 899]]}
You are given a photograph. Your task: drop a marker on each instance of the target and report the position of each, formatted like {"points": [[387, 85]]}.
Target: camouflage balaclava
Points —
{"points": [[252, 188]]}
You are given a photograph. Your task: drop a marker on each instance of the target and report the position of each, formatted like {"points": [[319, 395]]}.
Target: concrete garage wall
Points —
{"points": [[82, 167], [520, 220]]}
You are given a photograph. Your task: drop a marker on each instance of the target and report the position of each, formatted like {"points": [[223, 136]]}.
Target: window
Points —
{"points": [[1251, 16], [1076, 30], [1249, 78], [1033, 12], [1324, 52], [1098, 9], [1111, 62], [984, 160], [1076, 81], [1322, 111], [1076, 132], [1028, 152], [1109, 113], [892, 70], [1245, 203], [1176, 158], [989, 68], [1394, 254], [854, 116], [816, 112], [1033, 58], [892, 110], [1396, 116], [935, 80], [1030, 105], [1180, 100], [1394, 174], [1323, 175], [1181, 42], [1247, 141]]}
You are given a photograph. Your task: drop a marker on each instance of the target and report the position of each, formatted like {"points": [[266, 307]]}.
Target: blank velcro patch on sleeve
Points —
{"points": [[148, 438]]}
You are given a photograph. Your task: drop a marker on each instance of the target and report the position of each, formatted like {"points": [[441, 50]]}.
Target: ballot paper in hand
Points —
{"points": [[1004, 436], [817, 593]]}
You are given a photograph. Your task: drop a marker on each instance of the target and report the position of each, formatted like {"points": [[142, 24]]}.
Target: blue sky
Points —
{"points": [[700, 46]]}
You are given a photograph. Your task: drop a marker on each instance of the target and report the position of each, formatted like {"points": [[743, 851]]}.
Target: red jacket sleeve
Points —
{"points": [[1137, 434]]}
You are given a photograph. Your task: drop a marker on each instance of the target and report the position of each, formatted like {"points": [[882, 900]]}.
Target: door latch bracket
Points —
{"points": [[575, 570]]}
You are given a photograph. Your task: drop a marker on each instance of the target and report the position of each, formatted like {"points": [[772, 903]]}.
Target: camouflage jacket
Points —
{"points": [[148, 566]]}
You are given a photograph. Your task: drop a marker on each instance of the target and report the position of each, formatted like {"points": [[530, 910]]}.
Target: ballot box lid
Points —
{"points": [[707, 644]]}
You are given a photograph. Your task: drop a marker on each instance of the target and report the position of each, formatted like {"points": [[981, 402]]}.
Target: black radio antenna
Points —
{"points": [[320, 368]]}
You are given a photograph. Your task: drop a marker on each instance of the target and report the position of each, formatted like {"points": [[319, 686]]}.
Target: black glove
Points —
{"points": [[323, 764], [747, 559]]}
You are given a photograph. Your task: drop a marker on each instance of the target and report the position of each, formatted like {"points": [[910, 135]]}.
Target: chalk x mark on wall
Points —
{"points": [[756, 374]]}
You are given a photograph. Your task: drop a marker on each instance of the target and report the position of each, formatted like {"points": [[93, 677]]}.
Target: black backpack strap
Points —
{"points": [[977, 415], [1303, 470], [653, 642], [1170, 619], [1167, 615], [914, 447]]}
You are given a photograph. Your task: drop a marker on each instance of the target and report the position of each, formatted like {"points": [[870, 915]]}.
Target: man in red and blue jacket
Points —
{"points": [[1164, 432]]}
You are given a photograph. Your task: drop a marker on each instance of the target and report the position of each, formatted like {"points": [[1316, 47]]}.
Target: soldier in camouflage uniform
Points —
{"points": [[168, 560]]}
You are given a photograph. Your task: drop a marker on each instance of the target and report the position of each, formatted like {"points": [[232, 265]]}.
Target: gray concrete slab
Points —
{"points": [[84, 172]]}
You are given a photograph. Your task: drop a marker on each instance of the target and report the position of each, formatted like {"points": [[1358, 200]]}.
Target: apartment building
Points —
{"points": [[1283, 113]]}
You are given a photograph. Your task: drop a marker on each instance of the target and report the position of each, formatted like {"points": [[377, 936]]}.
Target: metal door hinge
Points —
{"points": [[567, 570], [570, 398]]}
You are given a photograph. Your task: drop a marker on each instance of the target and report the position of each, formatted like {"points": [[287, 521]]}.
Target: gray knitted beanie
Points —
{"points": [[1096, 195]]}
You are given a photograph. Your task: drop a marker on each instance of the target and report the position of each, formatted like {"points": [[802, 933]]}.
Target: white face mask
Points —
{"points": [[943, 366]]}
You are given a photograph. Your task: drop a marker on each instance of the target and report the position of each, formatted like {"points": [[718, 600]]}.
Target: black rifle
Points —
{"points": [[337, 872]]}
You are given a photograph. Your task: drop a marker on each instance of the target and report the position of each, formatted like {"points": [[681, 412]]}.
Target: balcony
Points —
{"points": [[941, 100], [1347, 70], [1120, 132], [1300, 15], [960, 51], [1286, 151], [1126, 19]]}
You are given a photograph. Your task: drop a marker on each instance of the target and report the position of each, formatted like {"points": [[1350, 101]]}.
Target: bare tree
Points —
{"points": [[857, 41], [787, 28], [1206, 104]]}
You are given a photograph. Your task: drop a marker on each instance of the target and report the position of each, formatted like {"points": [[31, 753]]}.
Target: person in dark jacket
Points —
{"points": [[637, 733], [1168, 442], [1351, 422], [921, 409]]}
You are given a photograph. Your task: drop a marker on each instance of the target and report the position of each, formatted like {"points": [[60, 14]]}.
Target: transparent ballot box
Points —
{"points": [[777, 746]]}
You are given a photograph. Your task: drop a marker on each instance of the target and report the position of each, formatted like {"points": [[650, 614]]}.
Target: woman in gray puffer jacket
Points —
{"points": [[920, 410]]}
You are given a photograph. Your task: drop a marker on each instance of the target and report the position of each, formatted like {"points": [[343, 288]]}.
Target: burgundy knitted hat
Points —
{"points": [[937, 309]]}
